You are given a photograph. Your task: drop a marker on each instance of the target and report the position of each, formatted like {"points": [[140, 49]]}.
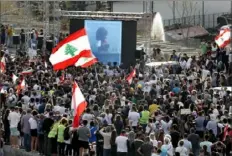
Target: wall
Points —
{"points": [[165, 7]]}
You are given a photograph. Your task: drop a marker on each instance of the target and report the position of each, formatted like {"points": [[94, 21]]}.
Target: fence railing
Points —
{"points": [[207, 21]]}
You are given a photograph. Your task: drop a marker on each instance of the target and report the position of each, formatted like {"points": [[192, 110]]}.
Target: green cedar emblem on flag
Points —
{"points": [[70, 50]]}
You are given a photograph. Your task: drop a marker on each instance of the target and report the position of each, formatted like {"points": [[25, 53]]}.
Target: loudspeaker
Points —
{"points": [[40, 42], [49, 45], [16, 40]]}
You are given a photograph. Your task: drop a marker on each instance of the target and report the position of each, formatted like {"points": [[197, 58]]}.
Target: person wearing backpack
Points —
{"points": [[68, 138], [60, 136]]}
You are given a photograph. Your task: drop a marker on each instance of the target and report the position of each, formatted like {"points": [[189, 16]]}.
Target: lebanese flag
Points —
{"points": [[14, 78], [3, 65], [78, 104], [85, 62], [223, 39], [131, 76], [21, 86], [225, 132], [70, 50], [27, 71], [62, 78]]}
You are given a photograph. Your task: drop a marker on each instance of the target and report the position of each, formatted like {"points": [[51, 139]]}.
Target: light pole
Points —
{"points": [[203, 13]]}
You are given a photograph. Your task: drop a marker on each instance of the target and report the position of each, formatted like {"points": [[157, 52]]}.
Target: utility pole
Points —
{"points": [[203, 13], [174, 11], [46, 23]]}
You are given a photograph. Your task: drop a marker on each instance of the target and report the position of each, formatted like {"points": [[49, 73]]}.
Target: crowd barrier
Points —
{"points": [[9, 151]]}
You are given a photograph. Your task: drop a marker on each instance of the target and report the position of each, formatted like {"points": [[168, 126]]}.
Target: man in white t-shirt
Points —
{"points": [[133, 118], [14, 118], [88, 116], [121, 142]]}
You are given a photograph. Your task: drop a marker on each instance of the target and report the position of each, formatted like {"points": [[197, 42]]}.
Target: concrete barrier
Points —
{"points": [[9, 151]]}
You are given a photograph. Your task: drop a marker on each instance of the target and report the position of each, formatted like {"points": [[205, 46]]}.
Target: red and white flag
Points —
{"points": [[70, 50], [85, 62], [62, 78], [27, 71], [224, 37], [78, 104], [14, 78], [3, 65], [131, 76], [21, 86]]}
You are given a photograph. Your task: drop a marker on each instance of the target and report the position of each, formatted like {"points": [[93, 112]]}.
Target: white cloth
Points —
{"points": [[165, 126], [188, 64], [133, 118], [183, 64], [108, 118], [121, 142], [88, 117], [14, 119], [33, 123], [59, 109], [182, 150]]}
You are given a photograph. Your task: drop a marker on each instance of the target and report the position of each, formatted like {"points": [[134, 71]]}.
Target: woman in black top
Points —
{"points": [[112, 142], [130, 143], [6, 127]]}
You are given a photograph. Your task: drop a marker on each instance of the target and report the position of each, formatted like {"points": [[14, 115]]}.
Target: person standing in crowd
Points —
{"points": [[121, 142], [84, 134], [187, 144], [3, 34], [113, 143], [200, 128], [130, 143], [25, 126], [10, 36], [14, 118], [22, 39], [93, 130], [195, 141], [133, 118], [146, 148], [181, 150], [40, 134], [47, 125], [106, 133], [144, 117], [175, 135], [68, 138], [206, 143], [33, 131], [52, 137], [6, 124], [118, 124], [60, 136]]}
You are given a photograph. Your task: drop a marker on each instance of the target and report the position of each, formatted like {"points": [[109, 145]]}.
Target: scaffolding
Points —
{"points": [[102, 15], [46, 22], [27, 19]]}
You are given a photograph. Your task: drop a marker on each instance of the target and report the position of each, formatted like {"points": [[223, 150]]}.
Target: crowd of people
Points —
{"points": [[172, 109]]}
